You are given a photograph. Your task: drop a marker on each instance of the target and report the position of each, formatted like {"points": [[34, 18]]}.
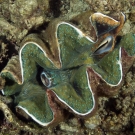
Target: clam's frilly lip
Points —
{"points": [[118, 62], [33, 117], [103, 23]]}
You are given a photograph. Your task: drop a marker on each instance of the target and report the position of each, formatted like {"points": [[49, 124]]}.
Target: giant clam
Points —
{"points": [[67, 69]]}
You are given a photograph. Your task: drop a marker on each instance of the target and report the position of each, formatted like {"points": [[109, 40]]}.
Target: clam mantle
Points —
{"points": [[67, 69]]}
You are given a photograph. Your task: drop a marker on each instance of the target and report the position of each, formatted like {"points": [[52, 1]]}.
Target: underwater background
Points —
{"points": [[18, 18]]}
